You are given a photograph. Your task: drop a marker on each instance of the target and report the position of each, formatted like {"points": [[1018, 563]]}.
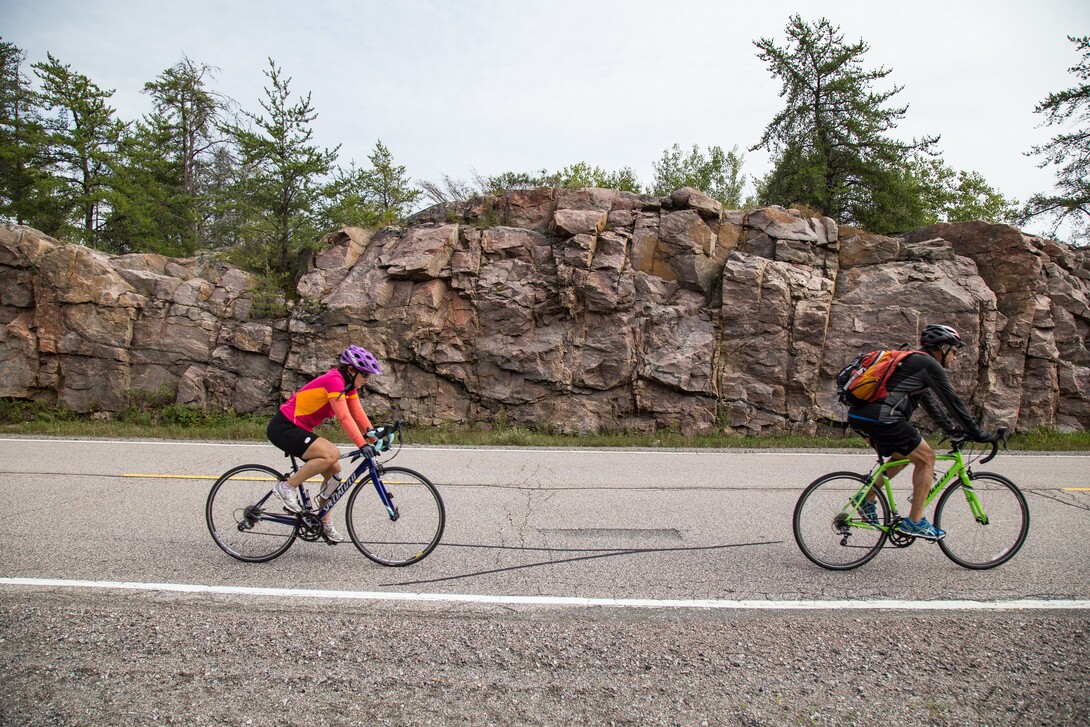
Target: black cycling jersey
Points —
{"points": [[919, 379]]}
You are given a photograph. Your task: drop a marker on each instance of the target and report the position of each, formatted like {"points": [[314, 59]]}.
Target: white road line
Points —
{"points": [[1027, 604]]}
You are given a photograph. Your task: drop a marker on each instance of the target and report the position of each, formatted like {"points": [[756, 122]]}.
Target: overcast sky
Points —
{"points": [[489, 86]]}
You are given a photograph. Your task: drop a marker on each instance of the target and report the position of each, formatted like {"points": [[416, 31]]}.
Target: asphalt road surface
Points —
{"points": [[571, 587]]}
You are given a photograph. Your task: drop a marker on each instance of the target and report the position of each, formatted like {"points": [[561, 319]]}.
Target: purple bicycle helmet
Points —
{"points": [[361, 360]]}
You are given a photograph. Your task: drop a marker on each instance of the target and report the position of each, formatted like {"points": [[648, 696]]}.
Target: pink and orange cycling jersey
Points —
{"points": [[324, 397]]}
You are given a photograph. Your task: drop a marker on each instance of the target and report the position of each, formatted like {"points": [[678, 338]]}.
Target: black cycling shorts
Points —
{"points": [[289, 436], [889, 439]]}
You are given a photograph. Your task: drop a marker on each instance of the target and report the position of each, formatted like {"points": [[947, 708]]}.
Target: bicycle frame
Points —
{"points": [[367, 467], [877, 480]]}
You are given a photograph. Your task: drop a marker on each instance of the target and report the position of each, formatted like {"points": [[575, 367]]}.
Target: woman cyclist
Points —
{"points": [[333, 394]]}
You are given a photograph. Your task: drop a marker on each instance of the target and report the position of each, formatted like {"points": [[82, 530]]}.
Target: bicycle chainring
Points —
{"points": [[310, 529], [901, 540]]}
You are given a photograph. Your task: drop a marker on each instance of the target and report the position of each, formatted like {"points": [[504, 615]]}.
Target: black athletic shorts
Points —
{"points": [[288, 436], [895, 438]]}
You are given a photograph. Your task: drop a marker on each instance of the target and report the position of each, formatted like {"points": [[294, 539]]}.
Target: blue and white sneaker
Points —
{"points": [[869, 512], [921, 529]]}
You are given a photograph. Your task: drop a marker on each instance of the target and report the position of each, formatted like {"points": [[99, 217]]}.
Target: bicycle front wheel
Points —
{"points": [[833, 533], [990, 537], [245, 518], [405, 536]]}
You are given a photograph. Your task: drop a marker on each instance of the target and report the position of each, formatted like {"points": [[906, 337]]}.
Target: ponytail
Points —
{"points": [[348, 374]]}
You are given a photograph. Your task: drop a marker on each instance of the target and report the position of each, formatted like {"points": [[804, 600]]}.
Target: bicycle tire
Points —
{"points": [[976, 545], [245, 519], [417, 529], [830, 536]]}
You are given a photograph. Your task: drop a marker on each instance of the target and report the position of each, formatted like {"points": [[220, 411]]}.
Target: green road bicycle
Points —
{"points": [[984, 514]]}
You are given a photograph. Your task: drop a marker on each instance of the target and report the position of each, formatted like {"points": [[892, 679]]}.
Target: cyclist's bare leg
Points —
{"points": [[322, 456], [923, 470], [889, 474]]}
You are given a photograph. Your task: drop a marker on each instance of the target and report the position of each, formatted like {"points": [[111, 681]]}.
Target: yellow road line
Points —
{"points": [[1076, 489], [158, 476], [172, 477], [203, 477]]}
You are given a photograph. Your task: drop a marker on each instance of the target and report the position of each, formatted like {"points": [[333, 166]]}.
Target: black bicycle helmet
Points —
{"points": [[936, 334], [362, 360]]}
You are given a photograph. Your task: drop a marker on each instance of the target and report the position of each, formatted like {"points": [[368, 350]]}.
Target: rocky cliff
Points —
{"points": [[579, 310]]}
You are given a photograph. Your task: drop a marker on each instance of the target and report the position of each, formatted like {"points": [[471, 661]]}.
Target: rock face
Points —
{"points": [[581, 310]]}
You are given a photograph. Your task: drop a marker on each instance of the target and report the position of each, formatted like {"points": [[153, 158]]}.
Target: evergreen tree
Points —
{"points": [[351, 204], [18, 124], [830, 142], [387, 186], [83, 139], [162, 201], [28, 192], [147, 209], [282, 182], [221, 175], [1069, 152], [371, 197], [719, 174]]}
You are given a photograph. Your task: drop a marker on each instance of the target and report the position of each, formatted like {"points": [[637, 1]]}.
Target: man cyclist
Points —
{"points": [[920, 378], [333, 394]]}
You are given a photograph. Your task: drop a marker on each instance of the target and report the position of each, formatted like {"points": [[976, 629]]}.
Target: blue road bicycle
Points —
{"points": [[400, 526]]}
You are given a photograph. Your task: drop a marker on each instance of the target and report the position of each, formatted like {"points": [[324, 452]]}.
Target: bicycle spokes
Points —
{"points": [[987, 526], [828, 526], [243, 517], [401, 534]]}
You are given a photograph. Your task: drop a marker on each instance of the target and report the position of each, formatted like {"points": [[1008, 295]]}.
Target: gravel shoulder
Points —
{"points": [[139, 659]]}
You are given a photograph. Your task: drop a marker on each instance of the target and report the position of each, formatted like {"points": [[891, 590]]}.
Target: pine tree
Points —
{"points": [[380, 195], [27, 191], [1069, 152], [831, 143], [282, 183], [83, 138], [387, 186], [163, 200]]}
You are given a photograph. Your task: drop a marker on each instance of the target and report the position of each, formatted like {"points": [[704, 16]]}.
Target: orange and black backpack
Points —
{"points": [[864, 380]]}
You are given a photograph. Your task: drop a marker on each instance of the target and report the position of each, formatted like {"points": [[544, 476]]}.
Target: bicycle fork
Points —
{"points": [[385, 495], [973, 501]]}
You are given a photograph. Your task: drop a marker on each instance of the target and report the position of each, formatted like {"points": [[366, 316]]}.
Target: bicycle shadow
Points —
{"points": [[591, 554]]}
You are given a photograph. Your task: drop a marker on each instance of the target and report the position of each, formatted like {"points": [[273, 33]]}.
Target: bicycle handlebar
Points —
{"points": [[369, 451], [1001, 436]]}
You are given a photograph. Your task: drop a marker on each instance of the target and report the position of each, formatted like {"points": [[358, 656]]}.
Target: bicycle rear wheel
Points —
{"points": [[991, 540], [245, 518], [830, 531], [414, 532]]}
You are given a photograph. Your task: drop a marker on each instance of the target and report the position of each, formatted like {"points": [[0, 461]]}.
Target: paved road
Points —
{"points": [[547, 525]]}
